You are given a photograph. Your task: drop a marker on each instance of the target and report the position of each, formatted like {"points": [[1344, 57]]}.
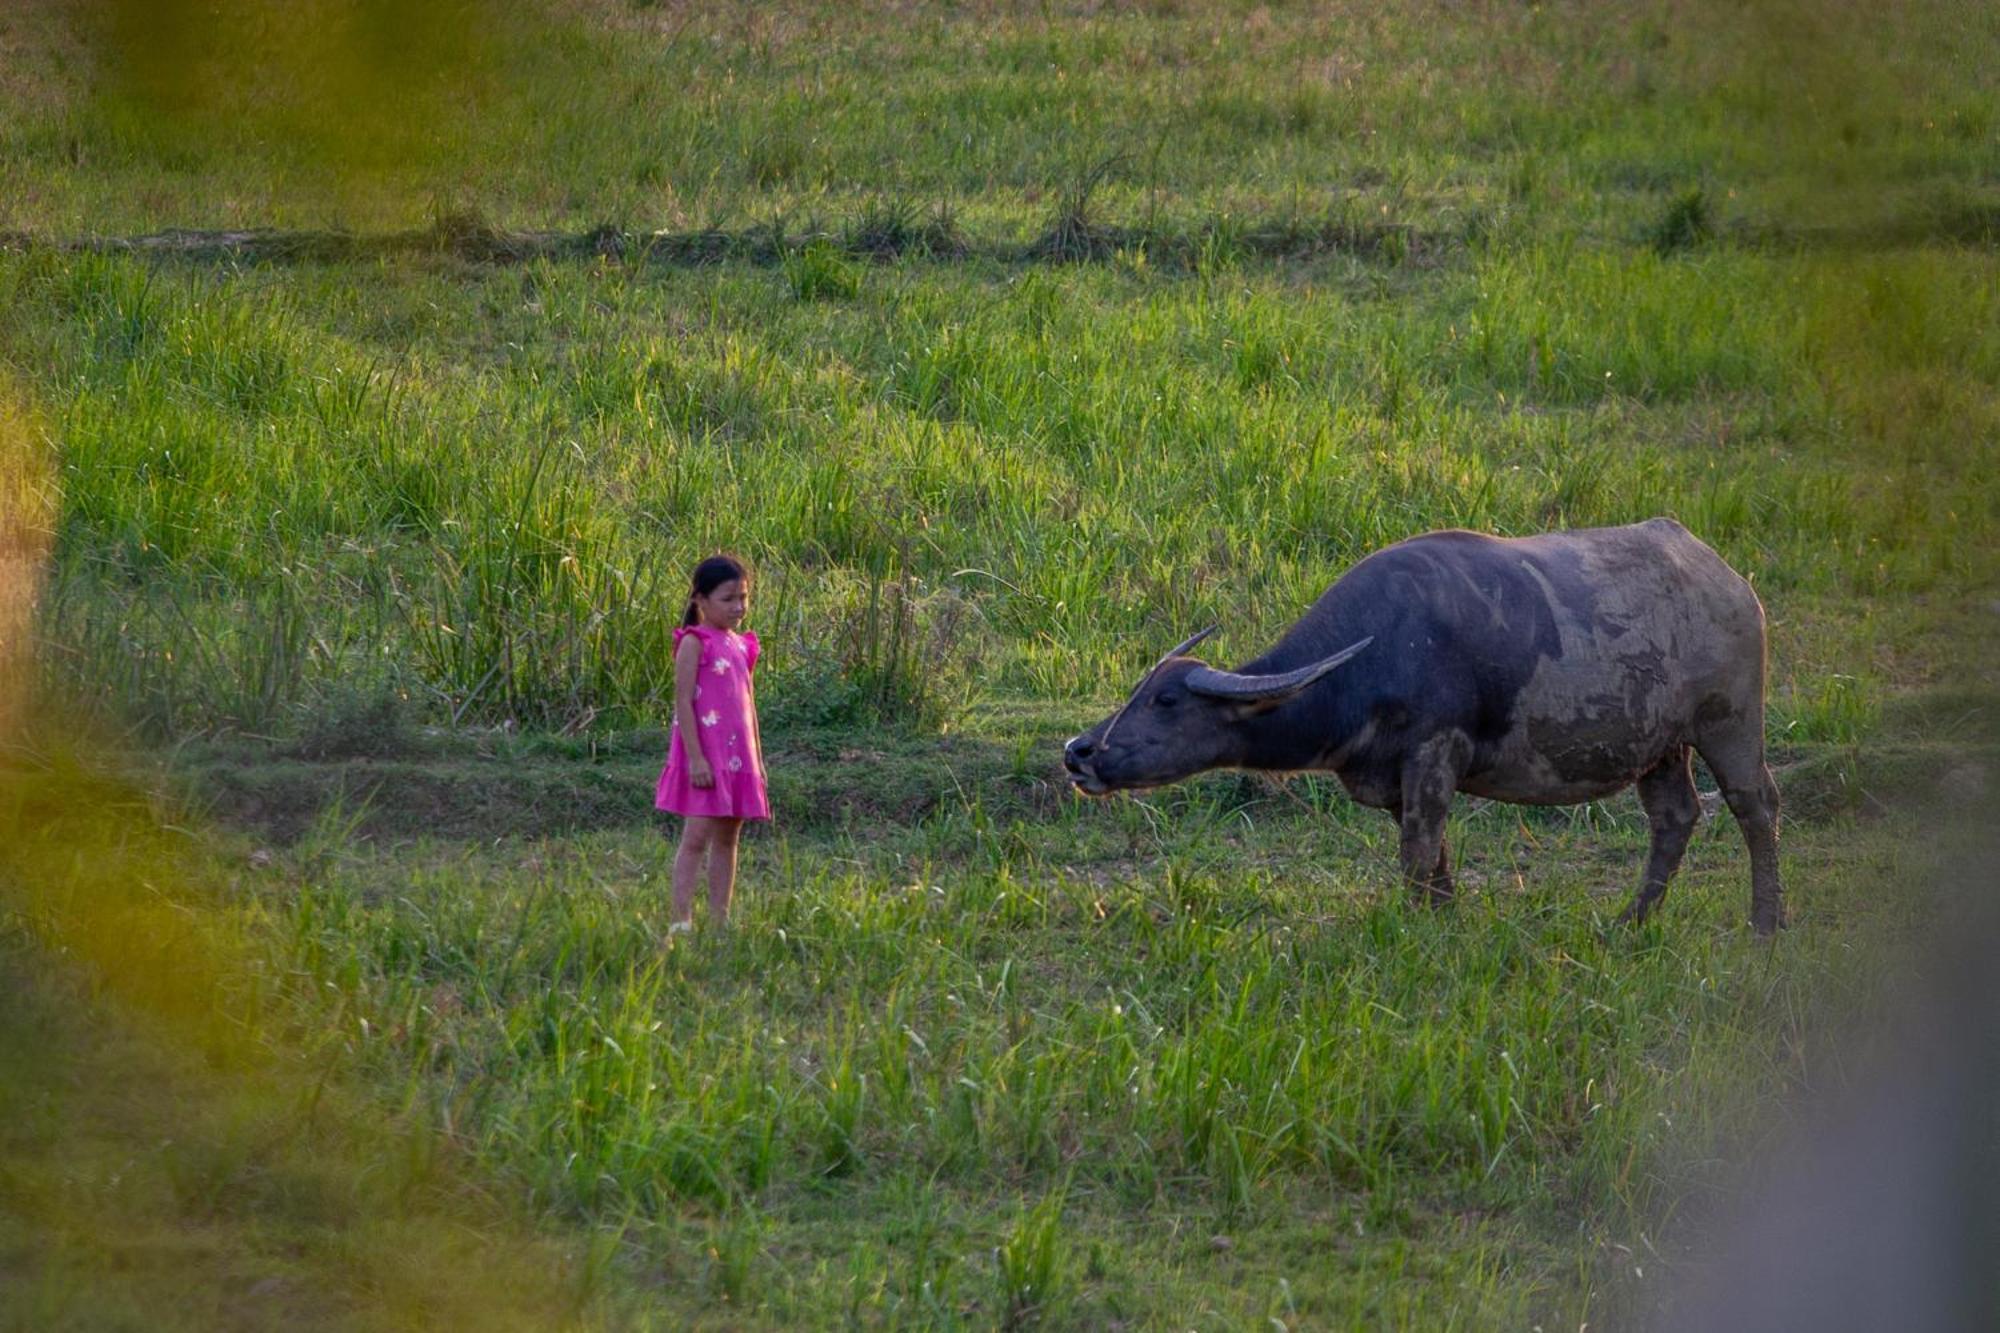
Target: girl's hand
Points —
{"points": [[700, 774]]}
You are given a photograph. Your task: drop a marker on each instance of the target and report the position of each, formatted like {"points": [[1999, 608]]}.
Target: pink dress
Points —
{"points": [[727, 721]]}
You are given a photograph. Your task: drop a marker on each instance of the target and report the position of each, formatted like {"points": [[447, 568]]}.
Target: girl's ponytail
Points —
{"points": [[709, 575]]}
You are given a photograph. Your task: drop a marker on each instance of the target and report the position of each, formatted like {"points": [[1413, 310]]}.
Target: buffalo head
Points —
{"points": [[1184, 718]]}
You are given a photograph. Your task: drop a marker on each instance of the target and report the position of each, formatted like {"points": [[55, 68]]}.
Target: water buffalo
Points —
{"points": [[1541, 670]]}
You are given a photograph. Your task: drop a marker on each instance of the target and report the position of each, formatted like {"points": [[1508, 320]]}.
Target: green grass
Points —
{"points": [[475, 490], [1563, 115], [1197, 1059], [1010, 343]]}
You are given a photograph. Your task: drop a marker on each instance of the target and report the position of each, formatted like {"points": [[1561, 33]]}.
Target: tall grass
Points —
{"points": [[1033, 472]]}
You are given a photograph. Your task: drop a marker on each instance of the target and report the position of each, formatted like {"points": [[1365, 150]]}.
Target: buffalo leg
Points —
{"points": [[1428, 782], [1436, 887], [1737, 759], [1667, 793]]}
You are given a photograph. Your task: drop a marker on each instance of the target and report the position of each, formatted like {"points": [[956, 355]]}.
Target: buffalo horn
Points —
{"points": [[1229, 685], [1188, 645]]}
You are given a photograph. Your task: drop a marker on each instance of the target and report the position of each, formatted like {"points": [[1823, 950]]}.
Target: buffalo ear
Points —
{"points": [[1276, 689]]}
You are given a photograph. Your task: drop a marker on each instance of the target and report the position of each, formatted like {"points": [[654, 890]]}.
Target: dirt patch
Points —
{"points": [[281, 795], [1071, 237], [282, 800]]}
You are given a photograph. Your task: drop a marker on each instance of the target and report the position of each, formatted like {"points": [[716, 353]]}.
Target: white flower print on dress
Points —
{"points": [[735, 764], [721, 667], [710, 718]]}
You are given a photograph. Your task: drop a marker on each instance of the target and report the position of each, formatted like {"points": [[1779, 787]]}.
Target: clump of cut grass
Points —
{"points": [[887, 228], [707, 245], [1073, 233], [817, 272], [606, 240], [1687, 221], [884, 229], [467, 232], [1218, 247], [942, 237]]}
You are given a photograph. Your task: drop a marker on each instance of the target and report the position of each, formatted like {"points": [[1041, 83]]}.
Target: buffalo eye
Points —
{"points": [[1166, 700]]}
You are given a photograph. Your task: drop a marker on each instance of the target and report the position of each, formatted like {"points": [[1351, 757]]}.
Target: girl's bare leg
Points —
{"points": [[722, 867], [694, 849]]}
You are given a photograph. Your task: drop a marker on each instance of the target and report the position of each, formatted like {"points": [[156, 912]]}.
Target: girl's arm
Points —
{"points": [[687, 671]]}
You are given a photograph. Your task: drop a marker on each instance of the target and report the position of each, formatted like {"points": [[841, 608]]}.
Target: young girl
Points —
{"points": [[715, 780]]}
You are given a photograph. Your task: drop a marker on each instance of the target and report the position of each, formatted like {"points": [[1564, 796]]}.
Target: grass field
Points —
{"points": [[1010, 343]]}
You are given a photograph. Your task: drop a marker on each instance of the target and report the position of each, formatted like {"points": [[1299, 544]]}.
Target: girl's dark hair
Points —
{"points": [[709, 575]]}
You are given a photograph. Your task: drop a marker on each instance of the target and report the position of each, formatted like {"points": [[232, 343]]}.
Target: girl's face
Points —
{"points": [[725, 607]]}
